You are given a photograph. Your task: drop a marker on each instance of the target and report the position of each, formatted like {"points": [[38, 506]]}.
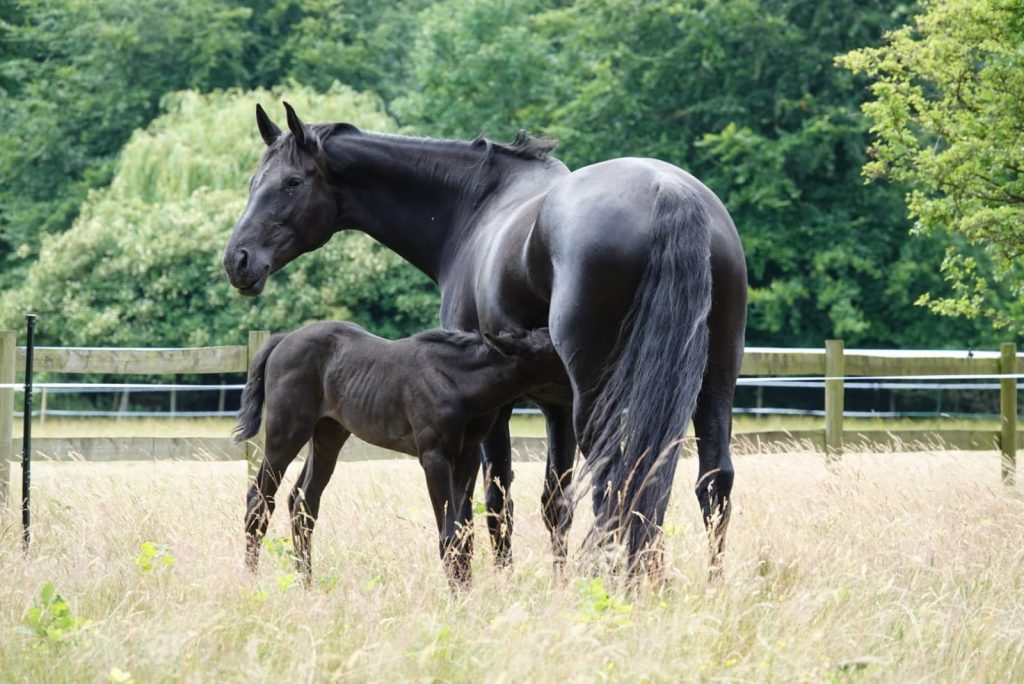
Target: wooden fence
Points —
{"points": [[833, 362]]}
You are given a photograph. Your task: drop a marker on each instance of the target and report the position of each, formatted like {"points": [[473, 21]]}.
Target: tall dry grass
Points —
{"points": [[904, 567]]}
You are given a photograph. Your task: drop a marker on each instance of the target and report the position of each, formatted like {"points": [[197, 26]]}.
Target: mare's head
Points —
{"points": [[530, 348], [292, 209]]}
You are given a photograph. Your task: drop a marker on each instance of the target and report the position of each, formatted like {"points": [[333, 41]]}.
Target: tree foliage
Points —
{"points": [[76, 78], [743, 93], [948, 120], [142, 263]]}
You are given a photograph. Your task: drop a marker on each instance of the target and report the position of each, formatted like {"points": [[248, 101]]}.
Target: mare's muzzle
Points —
{"points": [[247, 271]]}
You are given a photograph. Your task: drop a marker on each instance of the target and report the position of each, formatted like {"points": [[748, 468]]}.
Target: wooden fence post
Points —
{"points": [[8, 350], [834, 368], [1008, 411], [254, 446]]}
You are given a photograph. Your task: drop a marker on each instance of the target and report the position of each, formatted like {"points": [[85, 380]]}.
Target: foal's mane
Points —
{"points": [[455, 338]]}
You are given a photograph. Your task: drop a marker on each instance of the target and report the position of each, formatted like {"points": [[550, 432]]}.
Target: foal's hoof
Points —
{"points": [[503, 560], [252, 560]]}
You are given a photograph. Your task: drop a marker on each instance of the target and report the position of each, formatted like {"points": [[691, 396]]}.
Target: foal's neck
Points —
{"points": [[492, 380]]}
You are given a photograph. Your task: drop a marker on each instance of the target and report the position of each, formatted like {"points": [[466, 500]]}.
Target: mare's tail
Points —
{"points": [[250, 414], [649, 393]]}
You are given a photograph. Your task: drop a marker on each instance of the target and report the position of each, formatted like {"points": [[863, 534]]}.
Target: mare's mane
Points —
{"points": [[523, 146]]}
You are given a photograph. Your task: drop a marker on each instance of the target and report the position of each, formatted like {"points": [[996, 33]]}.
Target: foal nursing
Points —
{"points": [[434, 395]]}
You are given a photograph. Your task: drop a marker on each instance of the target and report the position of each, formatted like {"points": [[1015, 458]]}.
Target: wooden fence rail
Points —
{"points": [[833, 362], [113, 361]]}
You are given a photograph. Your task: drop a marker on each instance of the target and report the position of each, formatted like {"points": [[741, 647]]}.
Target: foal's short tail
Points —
{"points": [[649, 394], [250, 414]]}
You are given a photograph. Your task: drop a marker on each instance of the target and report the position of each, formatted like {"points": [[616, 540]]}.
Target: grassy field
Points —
{"points": [[883, 567]]}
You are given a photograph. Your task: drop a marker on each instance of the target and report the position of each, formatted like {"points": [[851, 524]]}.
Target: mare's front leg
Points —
{"points": [[497, 466], [282, 446], [304, 503], [556, 507]]}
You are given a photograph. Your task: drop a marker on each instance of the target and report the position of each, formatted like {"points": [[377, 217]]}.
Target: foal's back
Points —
{"points": [[336, 370]]}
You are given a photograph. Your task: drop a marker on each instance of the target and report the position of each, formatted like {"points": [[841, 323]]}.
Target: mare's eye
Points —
{"points": [[293, 182]]}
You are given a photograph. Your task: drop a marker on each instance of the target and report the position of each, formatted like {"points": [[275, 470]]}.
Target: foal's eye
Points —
{"points": [[293, 182]]}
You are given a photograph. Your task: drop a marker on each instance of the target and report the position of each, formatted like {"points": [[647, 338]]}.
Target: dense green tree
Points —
{"points": [[362, 44], [141, 265], [480, 65], [76, 78], [948, 119]]}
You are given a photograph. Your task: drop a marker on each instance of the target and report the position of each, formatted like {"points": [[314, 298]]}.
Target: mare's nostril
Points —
{"points": [[243, 260]]}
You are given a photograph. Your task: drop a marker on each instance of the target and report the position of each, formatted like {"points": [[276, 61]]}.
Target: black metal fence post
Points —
{"points": [[26, 435]]}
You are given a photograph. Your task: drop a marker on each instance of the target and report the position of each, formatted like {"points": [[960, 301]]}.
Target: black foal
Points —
{"points": [[434, 395]]}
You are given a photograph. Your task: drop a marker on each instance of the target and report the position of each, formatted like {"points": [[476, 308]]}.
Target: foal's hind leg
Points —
{"points": [[281, 448], [304, 503]]}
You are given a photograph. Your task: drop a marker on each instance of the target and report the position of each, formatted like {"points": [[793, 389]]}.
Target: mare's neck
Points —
{"points": [[410, 194], [421, 198]]}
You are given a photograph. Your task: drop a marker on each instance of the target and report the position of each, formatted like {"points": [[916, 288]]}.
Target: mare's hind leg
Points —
{"points": [[712, 420], [712, 423], [497, 465], [282, 446], [587, 307], [304, 502], [555, 501]]}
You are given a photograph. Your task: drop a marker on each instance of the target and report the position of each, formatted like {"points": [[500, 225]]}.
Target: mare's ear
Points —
{"points": [[268, 129], [296, 126], [503, 343]]}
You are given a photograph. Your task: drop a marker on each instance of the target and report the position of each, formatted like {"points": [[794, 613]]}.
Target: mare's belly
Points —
{"points": [[552, 395]]}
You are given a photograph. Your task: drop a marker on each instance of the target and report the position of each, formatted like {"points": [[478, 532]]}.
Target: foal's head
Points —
{"points": [[532, 349]]}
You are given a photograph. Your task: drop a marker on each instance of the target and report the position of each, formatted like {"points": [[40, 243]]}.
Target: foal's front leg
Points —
{"points": [[497, 466], [442, 487]]}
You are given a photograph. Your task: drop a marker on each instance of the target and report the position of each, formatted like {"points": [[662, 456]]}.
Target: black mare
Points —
{"points": [[434, 395], [633, 264]]}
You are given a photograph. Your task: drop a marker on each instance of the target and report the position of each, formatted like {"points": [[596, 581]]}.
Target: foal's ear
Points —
{"points": [[296, 126], [268, 129]]}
